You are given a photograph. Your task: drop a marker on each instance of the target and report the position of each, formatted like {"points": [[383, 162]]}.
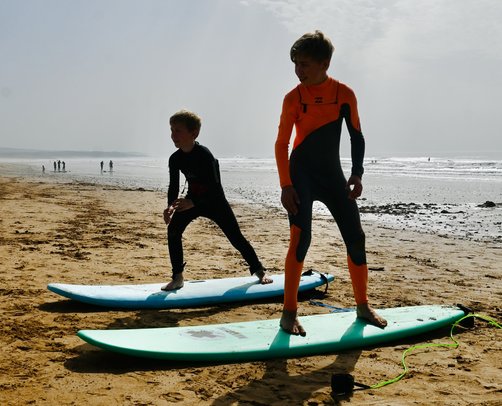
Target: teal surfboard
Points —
{"points": [[263, 339], [194, 293]]}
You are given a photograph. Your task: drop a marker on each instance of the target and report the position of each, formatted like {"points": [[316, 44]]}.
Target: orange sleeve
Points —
{"points": [[286, 123]]}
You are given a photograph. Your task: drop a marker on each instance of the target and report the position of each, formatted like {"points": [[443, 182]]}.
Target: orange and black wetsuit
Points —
{"points": [[314, 170]]}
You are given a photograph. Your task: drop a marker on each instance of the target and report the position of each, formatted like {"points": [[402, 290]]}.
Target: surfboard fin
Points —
{"points": [[323, 277]]}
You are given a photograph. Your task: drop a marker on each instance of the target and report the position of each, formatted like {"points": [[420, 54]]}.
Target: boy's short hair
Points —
{"points": [[191, 120], [314, 45]]}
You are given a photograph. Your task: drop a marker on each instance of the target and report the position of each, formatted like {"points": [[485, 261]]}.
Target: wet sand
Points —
{"points": [[84, 233]]}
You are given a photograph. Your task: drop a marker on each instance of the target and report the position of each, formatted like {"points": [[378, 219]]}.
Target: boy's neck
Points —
{"points": [[188, 148], [320, 81]]}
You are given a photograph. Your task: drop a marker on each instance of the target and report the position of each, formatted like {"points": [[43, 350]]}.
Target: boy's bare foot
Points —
{"points": [[262, 277], [366, 312], [290, 324], [176, 283]]}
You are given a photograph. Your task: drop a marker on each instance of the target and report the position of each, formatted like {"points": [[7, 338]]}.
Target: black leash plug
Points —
{"points": [[343, 384]]}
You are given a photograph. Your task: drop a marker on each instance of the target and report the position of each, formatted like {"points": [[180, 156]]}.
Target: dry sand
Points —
{"points": [[82, 233]]}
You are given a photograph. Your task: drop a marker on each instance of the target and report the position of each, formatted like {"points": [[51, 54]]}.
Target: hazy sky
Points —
{"points": [[107, 74]]}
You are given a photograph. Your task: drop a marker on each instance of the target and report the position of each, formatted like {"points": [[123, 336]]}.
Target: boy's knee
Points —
{"points": [[173, 232], [357, 251], [303, 245], [301, 236]]}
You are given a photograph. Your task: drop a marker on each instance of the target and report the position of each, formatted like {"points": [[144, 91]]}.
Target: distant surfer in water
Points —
{"points": [[316, 108], [205, 197]]}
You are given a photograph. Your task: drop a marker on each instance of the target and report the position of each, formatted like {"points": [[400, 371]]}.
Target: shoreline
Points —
{"points": [[95, 234], [479, 221]]}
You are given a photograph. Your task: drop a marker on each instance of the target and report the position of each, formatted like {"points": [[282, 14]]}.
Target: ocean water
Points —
{"points": [[444, 196]]}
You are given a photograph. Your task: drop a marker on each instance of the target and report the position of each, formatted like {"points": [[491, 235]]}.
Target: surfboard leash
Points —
{"points": [[334, 309], [324, 278], [344, 383]]}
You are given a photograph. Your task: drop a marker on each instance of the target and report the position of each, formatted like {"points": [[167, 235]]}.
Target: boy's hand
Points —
{"points": [[183, 204], [290, 200], [355, 187], [177, 205], [168, 213]]}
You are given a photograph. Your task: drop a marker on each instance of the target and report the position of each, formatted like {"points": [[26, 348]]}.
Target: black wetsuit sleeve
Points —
{"points": [[357, 143], [174, 181]]}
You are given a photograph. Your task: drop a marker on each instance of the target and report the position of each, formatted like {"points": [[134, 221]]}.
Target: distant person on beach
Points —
{"points": [[205, 198], [43, 168], [55, 166], [64, 166], [59, 166], [111, 166], [102, 164], [316, 108]]}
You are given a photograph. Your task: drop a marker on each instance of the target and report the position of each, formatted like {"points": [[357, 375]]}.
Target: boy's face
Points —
{"points": [[310, 71], [182, 137]]}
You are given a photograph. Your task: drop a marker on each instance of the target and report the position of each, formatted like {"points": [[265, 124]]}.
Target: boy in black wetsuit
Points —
{"points": [[205, 197]]}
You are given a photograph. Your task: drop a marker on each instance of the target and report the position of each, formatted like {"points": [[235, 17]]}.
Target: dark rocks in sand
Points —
{"points": [[488, 203], [394, 209]]}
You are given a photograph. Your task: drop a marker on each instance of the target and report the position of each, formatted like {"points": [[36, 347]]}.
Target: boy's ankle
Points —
{"points": [[259, 270], [178, 277]]}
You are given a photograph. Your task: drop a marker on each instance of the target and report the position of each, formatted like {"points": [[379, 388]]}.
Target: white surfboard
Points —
{"points": [[193, 293]]}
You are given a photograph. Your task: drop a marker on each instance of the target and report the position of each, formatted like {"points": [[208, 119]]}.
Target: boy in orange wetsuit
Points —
{"points": [[316, 108]]}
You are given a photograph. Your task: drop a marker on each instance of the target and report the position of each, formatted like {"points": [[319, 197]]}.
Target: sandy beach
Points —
{"points": [[84, 233]]}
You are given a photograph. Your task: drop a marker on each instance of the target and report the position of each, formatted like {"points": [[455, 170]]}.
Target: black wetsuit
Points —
{"points": [[202, 173]]}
